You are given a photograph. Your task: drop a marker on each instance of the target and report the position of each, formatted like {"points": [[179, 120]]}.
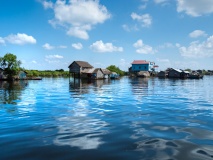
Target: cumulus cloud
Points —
{"points": [[54, 56], [195, 8], [99, 46], [61, 46], [48, 46], [145, 19], [2, 41], [47, 5], [77, 46], [34, 62], [20, 39], [130, 28], [78, 17], [197, 33], [198, 50], [143, 48], [166, 45], [162, 2]]}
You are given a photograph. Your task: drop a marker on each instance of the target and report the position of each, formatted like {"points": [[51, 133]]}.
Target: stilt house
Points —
{"points": [[77, 67]]}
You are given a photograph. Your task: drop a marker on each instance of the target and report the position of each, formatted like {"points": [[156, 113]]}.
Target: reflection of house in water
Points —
{"points": [[140, 87], [83, 86]]}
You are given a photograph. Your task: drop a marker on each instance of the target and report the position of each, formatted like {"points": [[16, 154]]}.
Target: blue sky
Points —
{"points": [[47, 34]]}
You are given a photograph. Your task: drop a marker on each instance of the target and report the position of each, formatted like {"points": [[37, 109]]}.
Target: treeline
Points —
{"points": [[47, 73]]}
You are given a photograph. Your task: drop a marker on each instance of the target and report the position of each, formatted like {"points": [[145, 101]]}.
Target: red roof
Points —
{"points": [[140, 62], [156, 66]]}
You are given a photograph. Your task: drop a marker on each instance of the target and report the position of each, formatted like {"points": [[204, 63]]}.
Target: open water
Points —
{"points": [[126, 119]]}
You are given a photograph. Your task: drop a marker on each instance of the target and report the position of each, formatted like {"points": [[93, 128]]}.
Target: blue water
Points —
{"points": [[128, 119]]}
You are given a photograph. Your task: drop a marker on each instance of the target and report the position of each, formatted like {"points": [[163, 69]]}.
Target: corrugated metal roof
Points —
{"points": [[140, 62], [178, 70]]}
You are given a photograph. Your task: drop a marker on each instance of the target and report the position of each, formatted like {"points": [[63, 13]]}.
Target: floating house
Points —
{"points": [[177, 73], [174, 73], [162, 74], [143, 65], [93, 73], [106, 73], [77, 67], [82, 69], [114, 75], [142, 68]]}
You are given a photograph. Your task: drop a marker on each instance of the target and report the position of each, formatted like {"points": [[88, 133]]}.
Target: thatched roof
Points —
{"points": [[82, 64]]}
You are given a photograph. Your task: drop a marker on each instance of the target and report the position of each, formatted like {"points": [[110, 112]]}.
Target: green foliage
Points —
{"points": [[113, 68], [10, 65], [47, 73]]}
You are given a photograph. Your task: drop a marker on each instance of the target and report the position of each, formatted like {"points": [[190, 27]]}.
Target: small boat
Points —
{"points": [[195, 76]]}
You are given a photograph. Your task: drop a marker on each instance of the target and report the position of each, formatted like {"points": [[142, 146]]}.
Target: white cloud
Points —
{"points": [[162, 2], [34, 62], [195, 8], [177, 45], [143, 48], [79, 31], [61, 46], [166, 45], [2, 41], [47, 4], [197, 33], [99, 46], [78, 17], [54, 56], [143, 6], [20, 39], [48, 46], [77, 46], [130, 28], [198, 50], [145, 19]]}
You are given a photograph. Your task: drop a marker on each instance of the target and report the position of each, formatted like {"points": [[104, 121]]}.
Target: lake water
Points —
{"points": [[128, 119]]}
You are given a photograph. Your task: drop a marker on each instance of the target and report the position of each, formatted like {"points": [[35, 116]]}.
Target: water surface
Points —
{"points": [[130, 118]]}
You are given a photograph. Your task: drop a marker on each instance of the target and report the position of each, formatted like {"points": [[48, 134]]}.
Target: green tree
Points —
{"points": [[10, 65], [113, 68]]}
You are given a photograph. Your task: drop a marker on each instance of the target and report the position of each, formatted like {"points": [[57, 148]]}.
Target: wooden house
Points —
{"points": [[114, 75], [98, 74], [162, 74], [77, 67], [174, 73], [93, 73], [106, 73]]}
